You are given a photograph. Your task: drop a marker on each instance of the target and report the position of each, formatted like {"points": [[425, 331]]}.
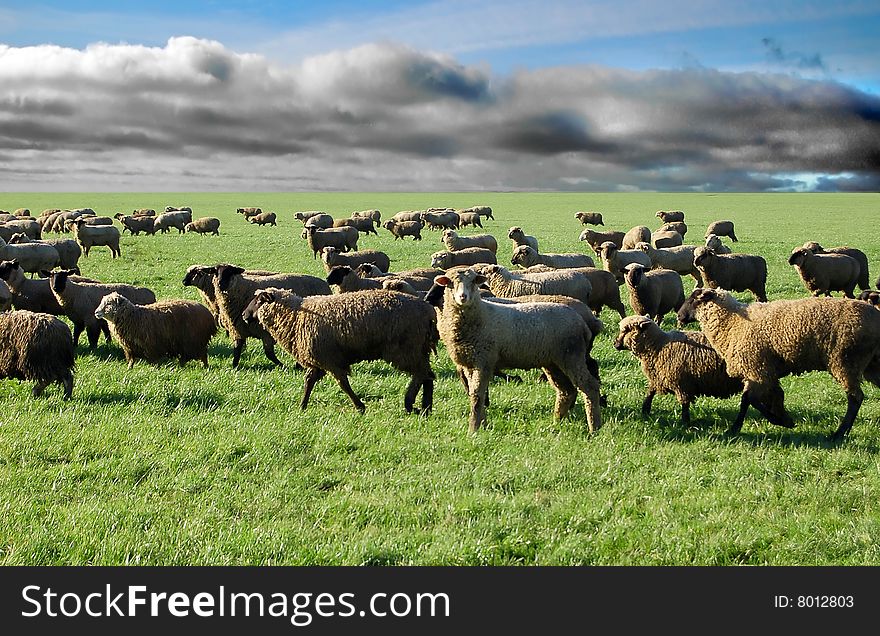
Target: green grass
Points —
{"points": [[169, 465]]}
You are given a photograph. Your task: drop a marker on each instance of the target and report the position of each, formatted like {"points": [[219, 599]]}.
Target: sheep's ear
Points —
{"points": [[479, 280], [643, 324], [443, 281]]}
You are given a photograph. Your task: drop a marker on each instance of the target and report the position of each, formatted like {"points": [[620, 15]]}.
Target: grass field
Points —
{"points": [[168, 465]]}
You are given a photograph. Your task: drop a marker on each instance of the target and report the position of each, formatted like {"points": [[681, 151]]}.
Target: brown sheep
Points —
{"points": [[38, 348]]}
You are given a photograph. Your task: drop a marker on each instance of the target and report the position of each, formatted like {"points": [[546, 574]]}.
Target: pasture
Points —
{"points": [[167, 465]]}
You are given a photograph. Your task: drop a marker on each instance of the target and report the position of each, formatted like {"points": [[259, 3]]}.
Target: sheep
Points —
{"points": [[330, 256], [376, 215], [638, 234], [264, 218], [467, 256], [653, 292], [28, 226], [320, 220], [722, 228], [679, 259], [344, 279], [525, 256], [49, 211], [342, 238], [185, 208], [680, 363], [664, 238], [46, 222], [764, 342], [143, 212], [174, 328], [441, 220], [97, 220], [669, 216], [248, 212], [68, 250], [615, 259], [202, 278], [469, 218], [675, 226], [178, 219], [871, 296], [361, 224], [714, 243], [419, 279], [518, 237], [852, 252], [22, 212], [32, 257], [89, 236], [596, 239], [564, 282], [38, 348], [234, 289], [482, 337], [80, 299], [400, 285], [454, 242], [736, 272], [204, 225], [306, 215], [327, 334], [404, 228], [824, 273], [589, 218], [407, 215], [30, 294], [137, 224], [482, 210]]}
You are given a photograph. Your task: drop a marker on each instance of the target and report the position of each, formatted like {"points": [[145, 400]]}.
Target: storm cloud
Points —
{"points": [[195, 115]]}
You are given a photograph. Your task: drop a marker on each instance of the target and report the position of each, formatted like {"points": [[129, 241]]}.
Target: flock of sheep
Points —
{"points": [[489, 318]]}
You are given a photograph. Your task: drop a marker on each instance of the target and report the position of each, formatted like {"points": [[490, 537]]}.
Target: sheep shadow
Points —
{"points": [[201, 401]]}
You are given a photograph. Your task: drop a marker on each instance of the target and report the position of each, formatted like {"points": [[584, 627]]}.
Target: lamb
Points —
{"points": [[736, 272], [404, 228], [174, 328], [764, 342], [467, 256], [525, 256], [454, 242], [90, 236], [327, 334], [615, 260], [675, 226], [447, 219], [137, 224], [653, 292], [722, 228], [470, 218], [204, 225], [249, 212], [482, 337], [638, 234], [596, 239], [714, 243], [664, 238], [680, 363], [330, 256], [179, 219], [376, 215], [520, 238], [408, 215], [824, 273], [68, 250], [264, 218], [80, 299], [36, 347], [361, 224], [342, 238], [852, 252], [564, 282], [679, 259], [234, 289], [32, 257], [202, 278], [589, 218], [669, 216]]}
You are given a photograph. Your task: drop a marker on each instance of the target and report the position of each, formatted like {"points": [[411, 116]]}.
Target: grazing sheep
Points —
{"points": [[441, 220], [653, 292], [376, 215], [264, 218], [615, 260], [327, 334], [32, 257], [234, 289], [36, 347], [46, 222], [852, 252], [563, 282], [764, 342], [467, 256], [714, 243], [470, 218], [482, 210], [683, 364], [342, 238], [518, 237], [80, 299], [204, 225], [330, 256], [722, 228], [68, 250], [305, 216], [408, 215], [179, 219], [596, 239], [670, 216], [589, 218], [638, 234], [175, 328], [137, 224], [89, 236], [679, 259], [824, 273], [871, 296], [361, 224], [675, 226], [525, 256], [454, 242], [736, 272], [27, 226], [663, 238], [202, 278], [404, 228], [483, 337], [248, 212]]}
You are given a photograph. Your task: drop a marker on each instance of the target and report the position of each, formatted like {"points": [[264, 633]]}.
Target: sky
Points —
{"points": [[447, 95]]}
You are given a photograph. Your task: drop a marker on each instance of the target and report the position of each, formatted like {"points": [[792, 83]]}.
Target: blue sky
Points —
{"points": [[832, 48]]}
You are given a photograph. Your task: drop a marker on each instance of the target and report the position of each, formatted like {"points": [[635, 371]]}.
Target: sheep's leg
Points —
{"points": [[77, 331], [93, 332], [237, 347], [342, 379], [312, 377], [685, 410], [68, 385], [39, 387], [269, 349], [853, 404], [646, 403], [479, 388], [741, 416], [428, 395], [412, 390], [566, 394], [771, 404], [589, 387]]}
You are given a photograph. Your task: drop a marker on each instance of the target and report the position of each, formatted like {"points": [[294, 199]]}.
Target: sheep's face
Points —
{"points": [[607, 250], [699, 297], [713, 242], [261, 297], [634, 273], [338, 274], [515, 233], [521, 256], [10, 271], [644, 247], [225, 275], [813, 246], [440, 259], [631, 329], [798, 257], [109, 307], [464, 285], [702, 255], [198, 276]]}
